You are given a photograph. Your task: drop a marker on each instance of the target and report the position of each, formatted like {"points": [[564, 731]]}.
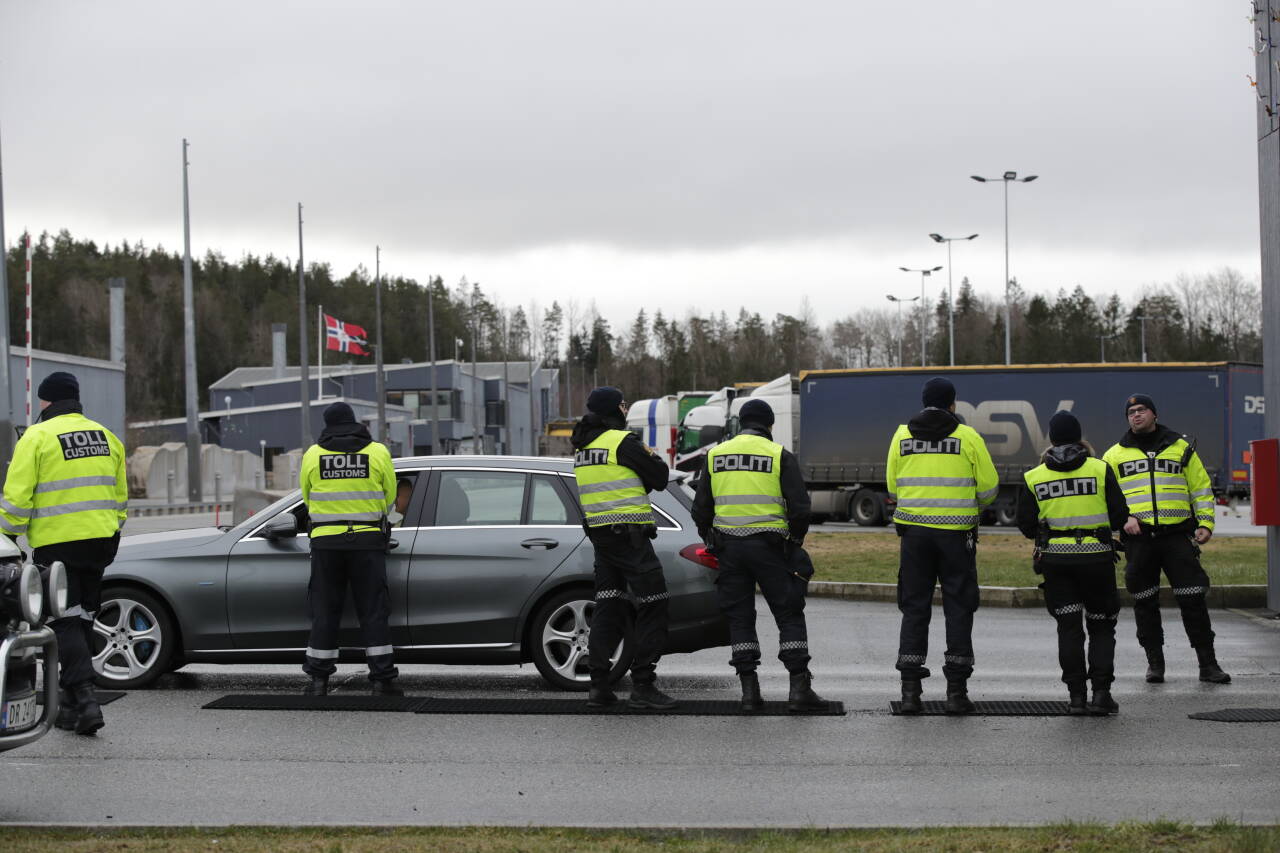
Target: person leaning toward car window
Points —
{"points": [[614, 474], [752, 508], [66, 490], [349, 485], [1069, 504]]}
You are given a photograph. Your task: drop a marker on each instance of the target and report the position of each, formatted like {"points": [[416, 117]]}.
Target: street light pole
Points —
{"points": [[951, 302], [1008, 311], [924, 309], [899, 301], [1142, 331]]}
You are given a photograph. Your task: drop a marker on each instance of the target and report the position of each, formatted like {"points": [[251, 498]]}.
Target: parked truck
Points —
{"points": [[717, 419], [848, 417]]}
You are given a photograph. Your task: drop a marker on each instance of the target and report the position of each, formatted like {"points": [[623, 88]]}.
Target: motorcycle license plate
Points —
{"points": [[18, 714]]}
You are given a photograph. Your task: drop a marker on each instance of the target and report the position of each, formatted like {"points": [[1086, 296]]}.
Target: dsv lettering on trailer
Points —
{"points": [[1143, 466], [591, 456], [911, 446], [1067, 488], [344, 466], [84, 443], [742, 462]]}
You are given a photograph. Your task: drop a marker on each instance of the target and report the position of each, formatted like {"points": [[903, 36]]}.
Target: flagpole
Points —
{"points": [[380, 382], [27, 235], [304, 376], [320, 332]]}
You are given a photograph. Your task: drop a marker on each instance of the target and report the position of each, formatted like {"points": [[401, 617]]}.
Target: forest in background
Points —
{"points": [[1215, 316]]}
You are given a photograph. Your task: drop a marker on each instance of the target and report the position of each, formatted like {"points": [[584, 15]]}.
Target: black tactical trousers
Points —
{"points": [[366, 573], [1179, 556], [85, 560], [760, 560], [929, 558], [1085, 593], [624, 562]]}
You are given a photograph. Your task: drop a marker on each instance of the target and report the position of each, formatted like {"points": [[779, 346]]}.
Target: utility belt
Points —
{"points": [[1156, 531], [636, 532], [1080, 534], [383, 527]]}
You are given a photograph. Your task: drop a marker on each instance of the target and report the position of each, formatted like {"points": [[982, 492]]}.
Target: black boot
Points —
{"points": [[802, 698], [958, 698], [1209, 669], [386, 687], [751, 698], [88, 714], [911, 690], [1077, 704], [647, 695], [66, 719], [1155, 665], [1102, 704], [601, 696], [318, 686]]}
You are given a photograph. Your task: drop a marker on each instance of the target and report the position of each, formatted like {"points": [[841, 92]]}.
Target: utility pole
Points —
{"points": [[6, 386], [380, 380], [195, 492], [431, 338], [534, 449], [1142, 326], [304, 393], [477, 387], [505, 429]]}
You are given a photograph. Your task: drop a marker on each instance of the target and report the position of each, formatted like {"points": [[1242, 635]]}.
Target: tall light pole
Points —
{"points": [[1102, 343], [1142, 326], [195, 490], [924, 309], [1008, 311], [6, 392], [951, 302], [899, 300]]}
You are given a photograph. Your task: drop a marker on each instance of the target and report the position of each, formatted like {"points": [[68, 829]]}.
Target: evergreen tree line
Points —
{"points": [[1202, 318]]}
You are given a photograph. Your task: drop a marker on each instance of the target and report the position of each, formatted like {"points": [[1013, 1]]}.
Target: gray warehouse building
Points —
{"points": [[101, 385]]}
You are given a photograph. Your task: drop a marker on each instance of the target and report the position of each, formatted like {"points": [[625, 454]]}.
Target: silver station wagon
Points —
{"points": [[490, 565]]}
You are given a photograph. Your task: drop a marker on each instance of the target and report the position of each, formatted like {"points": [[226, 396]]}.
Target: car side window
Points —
{"points": [[547, 504], [479, 498]]}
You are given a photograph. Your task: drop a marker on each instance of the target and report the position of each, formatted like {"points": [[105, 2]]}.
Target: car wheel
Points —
{"points": [[1006, 515], [559, 634], [133, 639], [865, 508]]}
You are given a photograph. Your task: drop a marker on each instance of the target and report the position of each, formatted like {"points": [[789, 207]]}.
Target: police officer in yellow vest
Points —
{"points": [[1070, 504], [349, 484], [1170, 501], [941, 475], [615, 474], [752, 508], [66, 490]]}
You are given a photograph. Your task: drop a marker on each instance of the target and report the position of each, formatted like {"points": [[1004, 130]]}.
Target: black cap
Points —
{"points": [[1139, 400], [339, 413], [756, 412], [59, 386], [1064, 428], [938, 393], [604, 400]]}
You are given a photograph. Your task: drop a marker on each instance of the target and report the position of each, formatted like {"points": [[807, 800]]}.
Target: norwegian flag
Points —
{"points": [[345, 337]]}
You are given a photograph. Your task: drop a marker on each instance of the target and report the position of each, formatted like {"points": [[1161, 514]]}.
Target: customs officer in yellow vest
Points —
{"points": [[941, 476], [1070, 504], [615, 474], [349, 484], [752, 508], [66, 490], [1171, 504]]}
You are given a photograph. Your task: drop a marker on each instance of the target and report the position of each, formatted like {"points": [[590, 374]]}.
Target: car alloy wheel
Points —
{"points": [[133, 639], [560, 635]]}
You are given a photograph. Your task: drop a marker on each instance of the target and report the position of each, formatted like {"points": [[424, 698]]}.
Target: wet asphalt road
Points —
{"points": [[163, 760]]}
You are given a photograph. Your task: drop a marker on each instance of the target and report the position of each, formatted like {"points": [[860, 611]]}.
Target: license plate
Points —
{"points": [[18, 714]]}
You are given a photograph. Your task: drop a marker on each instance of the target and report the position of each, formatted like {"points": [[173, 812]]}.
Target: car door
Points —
{"points": [[267, 583], [491, 536]]}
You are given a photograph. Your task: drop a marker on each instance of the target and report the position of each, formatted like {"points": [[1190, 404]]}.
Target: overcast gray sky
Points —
{"points": [[668, 155]]}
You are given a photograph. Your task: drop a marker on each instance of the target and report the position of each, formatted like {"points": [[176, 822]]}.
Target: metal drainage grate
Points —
{"points": [[992, 709], [298, 702], [686, 708], [1240, 715]]}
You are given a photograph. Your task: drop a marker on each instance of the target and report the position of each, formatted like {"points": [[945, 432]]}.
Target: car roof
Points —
{"points": [[559, 464]]}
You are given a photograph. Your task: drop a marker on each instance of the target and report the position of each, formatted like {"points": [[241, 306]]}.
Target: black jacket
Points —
{"points": [[651, 470], [1150, 442], [346, 438], [793, 491], [1069, 457], [932, 424]]}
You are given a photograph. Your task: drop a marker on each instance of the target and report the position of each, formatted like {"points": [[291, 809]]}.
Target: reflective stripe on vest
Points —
{"points": [[1155, 485], [609, 493], [1072, 500], [935, 485], [345, 489], [746, 481]]}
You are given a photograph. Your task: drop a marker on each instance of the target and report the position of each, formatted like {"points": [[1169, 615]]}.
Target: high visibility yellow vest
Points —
{"points": [[942, 483], [608, 492], [66, 482], [1076, 501], [1159, 489], [746, 480], [342, 489]]}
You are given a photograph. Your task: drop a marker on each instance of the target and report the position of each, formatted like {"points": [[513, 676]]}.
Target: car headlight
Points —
{"points": [[54, 578], [31, 594]]}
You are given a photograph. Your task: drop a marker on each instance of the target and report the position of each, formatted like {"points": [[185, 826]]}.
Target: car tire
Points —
{"points": [[866, 509], [1006, 515], [134, 639], [558, 641]]}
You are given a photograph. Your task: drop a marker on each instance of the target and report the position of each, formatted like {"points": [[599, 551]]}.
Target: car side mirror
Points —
{"points": [[284, 526], [710, 434]]}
